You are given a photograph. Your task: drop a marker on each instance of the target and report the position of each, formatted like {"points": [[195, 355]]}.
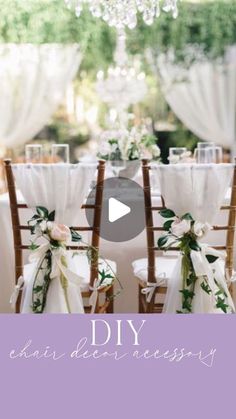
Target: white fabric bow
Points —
{"points": [[57, 266], [149, 290], [18, 287]]}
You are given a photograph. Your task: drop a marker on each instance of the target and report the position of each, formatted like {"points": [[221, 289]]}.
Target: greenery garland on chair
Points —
{"points": [[51, 257], [184, 233]]}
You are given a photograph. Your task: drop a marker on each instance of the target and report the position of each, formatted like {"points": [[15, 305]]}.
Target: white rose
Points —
{"points": [[60, 233], [43, 226], [49, 225], [146, 154], [155, 150], [180, 227], [200, 229], [114, 147], [105, 149]]}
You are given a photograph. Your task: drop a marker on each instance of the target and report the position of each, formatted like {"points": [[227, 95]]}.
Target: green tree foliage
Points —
{"points": [[210, 24]]}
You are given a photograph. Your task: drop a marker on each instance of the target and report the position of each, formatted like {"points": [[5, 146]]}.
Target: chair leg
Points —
{"points": [[150, 306], [141, 301]]}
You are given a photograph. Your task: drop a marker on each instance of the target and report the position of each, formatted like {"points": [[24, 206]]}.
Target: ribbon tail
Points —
{"points": [[148, 291], [93, 300], [17, 289]]}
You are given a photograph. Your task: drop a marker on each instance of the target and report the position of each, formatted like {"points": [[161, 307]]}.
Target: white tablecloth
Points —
{"points": [[122, 253]]}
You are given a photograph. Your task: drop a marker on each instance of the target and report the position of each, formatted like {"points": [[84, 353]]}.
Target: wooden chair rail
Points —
{"points": [[84, 206], [226, 228], [224, 208], [217, 247], [26, 247], [24, 227]]}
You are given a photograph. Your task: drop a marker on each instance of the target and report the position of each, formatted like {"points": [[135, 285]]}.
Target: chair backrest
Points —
{"points": [[228, 246], [17, 227], [2, 178]]}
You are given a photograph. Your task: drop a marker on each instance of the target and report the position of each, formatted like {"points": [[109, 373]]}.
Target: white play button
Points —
{"points": [[117, 210], [123, 212]]}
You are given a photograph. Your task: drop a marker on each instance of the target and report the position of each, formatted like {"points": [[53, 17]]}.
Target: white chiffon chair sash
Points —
{"points": [[59, 187], [196, 188]]}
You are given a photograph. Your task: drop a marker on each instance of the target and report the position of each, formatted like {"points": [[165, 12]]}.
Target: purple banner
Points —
{"points": [[114, 366]]}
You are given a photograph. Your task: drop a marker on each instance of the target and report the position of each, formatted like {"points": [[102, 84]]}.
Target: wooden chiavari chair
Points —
{"points": [[19, 247], [152, 262]]}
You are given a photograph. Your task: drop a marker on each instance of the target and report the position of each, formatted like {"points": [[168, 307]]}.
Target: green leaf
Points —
{"points": [[211, 258], [167, 213], [33, 246], [187, 216], [206, 288], [185, 267], [54, 243], [194, 245], [167, 225], [75, 237], [104, 275], [37, 289], [42, 212], [221, 304], [35, 217], [162, 241], [190, 280], [51, 216], [187, 293]]}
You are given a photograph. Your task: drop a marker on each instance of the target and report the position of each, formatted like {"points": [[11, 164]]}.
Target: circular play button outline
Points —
{"points": [[123, 213]]}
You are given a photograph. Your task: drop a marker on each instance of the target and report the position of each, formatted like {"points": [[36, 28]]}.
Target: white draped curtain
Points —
{"points": [[33, 79], [203, 96]]}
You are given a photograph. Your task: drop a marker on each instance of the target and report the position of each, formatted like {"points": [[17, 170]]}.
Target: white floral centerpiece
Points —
{"points": [[129, 145], [125, 148]]}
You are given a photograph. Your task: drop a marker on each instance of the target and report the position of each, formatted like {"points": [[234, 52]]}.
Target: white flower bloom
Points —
{"points": [[113, 147], [200, 229], [174, 159], [49, 225], [186, 155], [43, 226], [180, 227], [105, 148], [146, 153], [155, 150], [37, 232], [60, 232]]}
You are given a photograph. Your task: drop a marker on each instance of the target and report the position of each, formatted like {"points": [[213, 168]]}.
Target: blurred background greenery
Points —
{"points": [[208, 24]]}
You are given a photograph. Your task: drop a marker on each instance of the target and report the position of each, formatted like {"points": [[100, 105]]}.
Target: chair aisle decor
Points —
{"points": [[61, 275], [195, 279]]}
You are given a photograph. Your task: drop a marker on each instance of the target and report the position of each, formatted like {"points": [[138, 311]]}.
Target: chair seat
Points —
{"points": [[164, 268], [79, 264]]}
